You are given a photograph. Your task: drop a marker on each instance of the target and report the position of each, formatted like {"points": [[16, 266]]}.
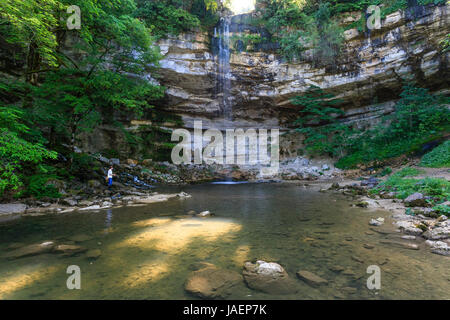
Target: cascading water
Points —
{"points": [[223, 80]]}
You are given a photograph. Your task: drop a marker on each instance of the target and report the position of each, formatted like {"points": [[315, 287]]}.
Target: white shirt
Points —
{"points": [[110, 174]]}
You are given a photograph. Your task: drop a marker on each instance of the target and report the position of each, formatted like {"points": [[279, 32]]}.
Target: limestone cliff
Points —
{"points": [[367, 76]]}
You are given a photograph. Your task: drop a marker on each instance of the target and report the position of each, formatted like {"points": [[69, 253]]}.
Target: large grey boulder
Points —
{"points": [[409, 227], [415, 200], [311, 278], [12, 208]]}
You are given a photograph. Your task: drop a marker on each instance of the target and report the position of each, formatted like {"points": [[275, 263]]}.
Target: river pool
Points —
{"points": [[147, 252]]}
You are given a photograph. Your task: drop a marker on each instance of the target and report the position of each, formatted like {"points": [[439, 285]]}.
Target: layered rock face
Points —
{"points": [[367, 76]]}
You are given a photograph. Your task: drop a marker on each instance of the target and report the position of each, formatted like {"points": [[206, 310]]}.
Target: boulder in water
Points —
{"points": [[268, 277], [204, 214], [69, 250], [211, 282], [416, 200], [12, 208], [93, 254], [311, 278], [31, 250]]}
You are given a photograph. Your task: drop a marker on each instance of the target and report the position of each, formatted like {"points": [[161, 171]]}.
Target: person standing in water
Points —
{"points": [[110, 176]]}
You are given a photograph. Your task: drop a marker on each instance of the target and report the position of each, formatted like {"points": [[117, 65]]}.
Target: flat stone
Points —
{"points": [[439, 247], [69, 202], [311, 278], [415, 200], [336, 268], [12, 208], [93, 253], [357, 259], [31, 250], [94, 207], [69, 250], [349, 290], [368, 246], [268, 277], [211, 282], [204, 214], [404, 245], [438, 233], [348, 272]]}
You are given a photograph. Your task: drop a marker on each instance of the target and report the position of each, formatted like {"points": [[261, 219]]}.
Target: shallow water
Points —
{"points": [[148, 251]]}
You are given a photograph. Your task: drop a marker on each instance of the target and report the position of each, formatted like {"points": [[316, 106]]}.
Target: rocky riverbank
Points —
{"points": [[124, 197], [414, 217]]}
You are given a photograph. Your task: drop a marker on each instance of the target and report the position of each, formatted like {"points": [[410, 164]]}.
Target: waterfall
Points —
{"points": [[223, 79]]}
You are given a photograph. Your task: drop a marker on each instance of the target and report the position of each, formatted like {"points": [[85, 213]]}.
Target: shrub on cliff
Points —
{"points": [[437, 158], [418, 117]]}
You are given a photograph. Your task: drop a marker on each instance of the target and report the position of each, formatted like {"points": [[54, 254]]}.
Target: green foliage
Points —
{"points": [[436, 187], [82, 165], [245, 41], [166, 19], [408, 172], [299, 25], [445, 43], [304, 30], [324, 134], [174, 17], [111, 59], [386, 171], [31, 24], [16, 148], [439, 157], [40, 186], [442, 209], [418, 118]]}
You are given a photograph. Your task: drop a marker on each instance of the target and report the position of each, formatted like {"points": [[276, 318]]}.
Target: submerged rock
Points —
{"points": [[93, 254], [336, 268], [399, 244], [349, 290], [268, 277], [31, 250], [376, 222], [211, 282], [69, 250], [94, 207], [362, 204], [311, 279]]}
